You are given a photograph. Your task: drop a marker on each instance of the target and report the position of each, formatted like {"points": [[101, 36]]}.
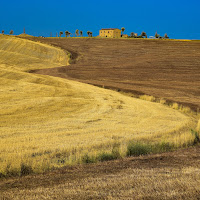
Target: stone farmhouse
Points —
{"points": [[110, 32]]}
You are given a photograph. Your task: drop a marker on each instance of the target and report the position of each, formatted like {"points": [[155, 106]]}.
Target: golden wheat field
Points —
{"points": [[48, 122]]}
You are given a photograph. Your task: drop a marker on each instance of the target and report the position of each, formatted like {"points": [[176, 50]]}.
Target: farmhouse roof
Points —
{"points": [[109, 28]]}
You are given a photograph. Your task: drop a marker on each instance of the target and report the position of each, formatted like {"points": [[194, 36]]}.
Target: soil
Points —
{"points": [[170, 162], [167, 69], [178, 159]]}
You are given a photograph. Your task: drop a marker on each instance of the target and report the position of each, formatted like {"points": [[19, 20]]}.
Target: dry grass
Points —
{"points": [[48, 122], [172, 176], [22, 55], [198, 125]]}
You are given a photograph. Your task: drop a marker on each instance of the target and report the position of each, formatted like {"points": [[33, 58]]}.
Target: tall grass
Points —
{"points": [[138, 148]]}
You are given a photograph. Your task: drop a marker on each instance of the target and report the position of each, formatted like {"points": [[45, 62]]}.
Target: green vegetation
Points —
{"points": [[81, 33], [11, 32], [89, 33], [157, 35], [166, 36], [61, 33], [132, 34], [67, 33], [143, 34], [196, 136], [77, 32], [122, 29]]}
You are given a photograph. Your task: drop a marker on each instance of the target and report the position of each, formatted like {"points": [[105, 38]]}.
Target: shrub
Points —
{"points": [[137, 149], [87, 159], [106, 156], [110, 156], [25, 169], [162, 147], [196, 136]]}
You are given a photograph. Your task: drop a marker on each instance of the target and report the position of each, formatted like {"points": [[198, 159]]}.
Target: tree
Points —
{"points": [[61, 33], [132, 34], [77, 32], [81, 33], [157, 35], [123, 29], [67, 33], [166, 36], [143, 34], [89, 33], [11, 32], [2, 31]]}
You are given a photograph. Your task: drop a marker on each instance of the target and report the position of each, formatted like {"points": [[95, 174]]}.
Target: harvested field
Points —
{"points": [[167, 69], [171, 176], [49, 122]]}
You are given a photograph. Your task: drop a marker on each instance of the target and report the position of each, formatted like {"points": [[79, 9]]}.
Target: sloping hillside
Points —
{"points": [[48, 122], [167, 69]]}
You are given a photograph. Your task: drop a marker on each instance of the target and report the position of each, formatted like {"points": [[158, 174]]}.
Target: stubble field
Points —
{"points": [[48, 122]]}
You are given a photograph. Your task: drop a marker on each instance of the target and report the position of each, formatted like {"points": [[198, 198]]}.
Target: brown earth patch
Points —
{"points": [[161, 68]]}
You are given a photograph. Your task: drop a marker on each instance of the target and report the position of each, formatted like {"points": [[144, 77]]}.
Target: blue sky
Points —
{"points": [[179, 18]]}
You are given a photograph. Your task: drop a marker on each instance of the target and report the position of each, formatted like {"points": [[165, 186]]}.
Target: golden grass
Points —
{"points": [[48, 122], [21, 54], [198, 126]]}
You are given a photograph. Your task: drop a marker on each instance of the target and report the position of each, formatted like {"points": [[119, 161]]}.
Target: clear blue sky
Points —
{"points": [[177, 18]]}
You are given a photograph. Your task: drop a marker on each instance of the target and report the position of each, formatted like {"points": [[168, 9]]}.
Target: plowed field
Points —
{"points": [[161, 68]]}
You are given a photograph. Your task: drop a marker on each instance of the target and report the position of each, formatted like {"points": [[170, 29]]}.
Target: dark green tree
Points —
{"points": [[157, 35], [11, 32], [81, 33], [77, 32], [61, 33], [123, 29], [166, 36], [132, 34], [67, 33], [88, 32], [143, 34]]}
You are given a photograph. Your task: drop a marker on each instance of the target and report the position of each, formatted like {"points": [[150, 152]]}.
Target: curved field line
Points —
{"points": [[48, 122]]}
